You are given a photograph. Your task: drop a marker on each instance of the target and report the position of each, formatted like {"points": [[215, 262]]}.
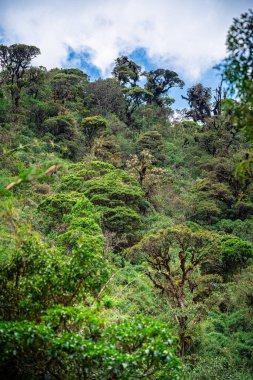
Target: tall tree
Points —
{"points": [[159, 82], [106, 96], [14, 60], [175, 256], [199, 99], [238, 69], [126, 71], [35, 80], [238, 66]]}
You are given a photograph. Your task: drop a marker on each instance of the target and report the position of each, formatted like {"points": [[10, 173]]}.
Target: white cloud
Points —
{"points": [[187, 36]]}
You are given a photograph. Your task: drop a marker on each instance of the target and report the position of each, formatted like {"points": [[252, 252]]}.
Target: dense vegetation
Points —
{"points": [[126, 243]]}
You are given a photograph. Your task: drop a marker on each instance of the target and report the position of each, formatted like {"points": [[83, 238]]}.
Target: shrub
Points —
{"points": [[92, 126], [116, 194], [73, 343]]}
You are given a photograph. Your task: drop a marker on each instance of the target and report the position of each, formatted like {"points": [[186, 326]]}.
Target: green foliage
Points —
{"points": [[102, 188], [221, 193], [129, 350], [241, 228], [241, 291], [126, 71], [174, 256], [238, 64], [115, 193], [135, 98], [199, 99], [31, 174], [105, 95], [67, 85], [244, 171], [153, 142], [205, 210], [59, 125], [36, 275], [107, 148], [62, 131], [92, 126], [35, 78], [159, 82], [57, 208], [226, 344], [237, 69], [14, 60], [3, 107], [38, 112], [235, 253]]}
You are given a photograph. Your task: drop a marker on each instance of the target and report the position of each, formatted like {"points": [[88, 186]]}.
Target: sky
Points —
{"points": [[187, 36]]}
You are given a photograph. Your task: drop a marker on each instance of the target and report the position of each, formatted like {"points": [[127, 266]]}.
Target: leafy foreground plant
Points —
{"points": [[45, 331], [73, 343]]}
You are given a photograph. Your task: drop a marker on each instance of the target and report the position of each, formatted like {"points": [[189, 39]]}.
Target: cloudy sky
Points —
{"points": [[187, 36]]}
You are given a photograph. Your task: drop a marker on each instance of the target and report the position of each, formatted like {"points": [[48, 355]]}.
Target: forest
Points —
{"points": [[126, 234]]}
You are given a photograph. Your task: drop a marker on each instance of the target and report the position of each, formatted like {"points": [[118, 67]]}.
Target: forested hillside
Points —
{"points": [[126, 236]]}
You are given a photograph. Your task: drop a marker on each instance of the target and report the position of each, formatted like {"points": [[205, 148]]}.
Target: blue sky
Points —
{"points": [[187, 36]]}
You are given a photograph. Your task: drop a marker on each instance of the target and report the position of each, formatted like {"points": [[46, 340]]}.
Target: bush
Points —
{"points": [[73, 343], [116, 194], [92, 126], [63, 134], [153, 142]]}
